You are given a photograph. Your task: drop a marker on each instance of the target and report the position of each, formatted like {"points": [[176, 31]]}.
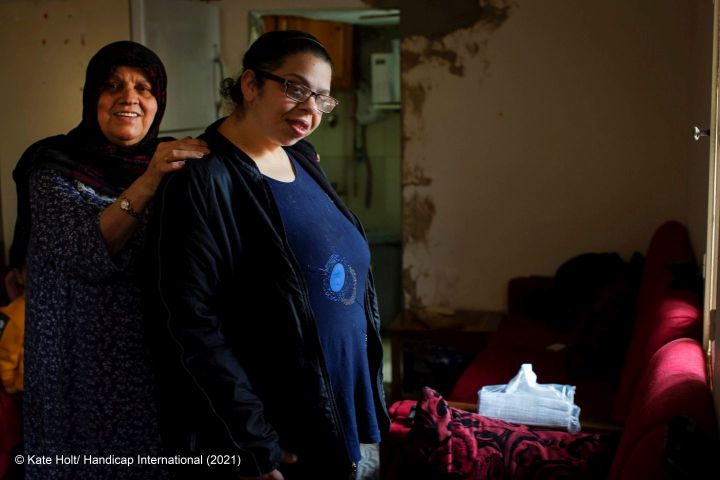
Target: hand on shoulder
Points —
{"points": [[171, 156]]}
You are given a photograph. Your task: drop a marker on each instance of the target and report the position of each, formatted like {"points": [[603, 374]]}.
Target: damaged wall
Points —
{"points": [[532, 131], [537, 131]]}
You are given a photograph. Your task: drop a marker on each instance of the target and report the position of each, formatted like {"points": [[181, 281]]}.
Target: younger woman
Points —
{"points": [[266, 308]]}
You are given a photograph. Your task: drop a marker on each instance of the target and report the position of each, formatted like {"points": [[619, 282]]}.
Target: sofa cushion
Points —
{"points": [[681, 317], [664, 311]]}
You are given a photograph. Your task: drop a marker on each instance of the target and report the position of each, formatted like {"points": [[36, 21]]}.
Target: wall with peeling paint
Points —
{"points": [[45, 47], [538, 131], [532, 131]]}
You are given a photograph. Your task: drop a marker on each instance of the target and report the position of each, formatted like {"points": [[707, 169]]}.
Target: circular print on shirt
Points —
{"points": [[339, 280]]}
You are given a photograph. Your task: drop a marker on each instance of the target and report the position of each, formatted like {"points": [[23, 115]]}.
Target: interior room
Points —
{"points": [[478, 141]]}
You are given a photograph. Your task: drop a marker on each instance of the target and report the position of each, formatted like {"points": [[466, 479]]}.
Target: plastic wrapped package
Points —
{"points": [[527, 402]]}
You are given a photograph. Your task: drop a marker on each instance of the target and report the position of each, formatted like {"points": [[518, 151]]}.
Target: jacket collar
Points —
{"points": [[303, 152]]}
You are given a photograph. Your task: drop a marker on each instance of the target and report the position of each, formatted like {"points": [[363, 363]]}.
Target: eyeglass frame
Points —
{"points": [[286, 83]]}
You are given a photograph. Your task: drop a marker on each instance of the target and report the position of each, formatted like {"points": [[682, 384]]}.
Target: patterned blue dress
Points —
{"points": [[88, 383]]}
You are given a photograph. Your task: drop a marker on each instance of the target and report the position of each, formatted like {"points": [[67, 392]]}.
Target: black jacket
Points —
{"points": [[240, 367]]}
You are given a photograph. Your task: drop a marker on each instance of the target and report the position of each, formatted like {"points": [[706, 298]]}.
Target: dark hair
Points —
{"points": [[269, 52]]}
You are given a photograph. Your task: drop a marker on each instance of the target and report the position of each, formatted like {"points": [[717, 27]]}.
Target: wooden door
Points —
{"points": [[337, 37]]}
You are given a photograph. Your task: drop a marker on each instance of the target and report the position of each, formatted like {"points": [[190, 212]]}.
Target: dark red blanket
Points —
{"points": [[430, 440]]}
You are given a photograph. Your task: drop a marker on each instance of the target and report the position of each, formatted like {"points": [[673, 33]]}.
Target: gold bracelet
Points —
{"points": [[125, 206]]}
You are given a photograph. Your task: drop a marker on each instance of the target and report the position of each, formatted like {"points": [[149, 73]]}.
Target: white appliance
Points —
{"points": [[385, 76]]}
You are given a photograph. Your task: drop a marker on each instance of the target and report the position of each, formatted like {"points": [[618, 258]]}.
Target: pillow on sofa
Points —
{"points": [[447, 443]]}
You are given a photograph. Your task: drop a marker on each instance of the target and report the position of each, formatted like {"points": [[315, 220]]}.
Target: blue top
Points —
{"points": [[335, 259]]}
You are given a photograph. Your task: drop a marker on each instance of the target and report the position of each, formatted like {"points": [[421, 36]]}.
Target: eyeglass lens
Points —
{"points": [[301, 93]]}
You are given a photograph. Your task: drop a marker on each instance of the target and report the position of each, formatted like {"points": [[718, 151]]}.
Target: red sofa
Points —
{"points": [[664, 312], [663, 382]]}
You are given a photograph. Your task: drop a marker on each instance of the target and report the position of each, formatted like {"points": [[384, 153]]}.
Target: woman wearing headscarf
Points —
{"points": [[81, 209]]}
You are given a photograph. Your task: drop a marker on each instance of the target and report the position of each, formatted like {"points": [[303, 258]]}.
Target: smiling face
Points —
{"points": [[285, 121], [126, 107]]}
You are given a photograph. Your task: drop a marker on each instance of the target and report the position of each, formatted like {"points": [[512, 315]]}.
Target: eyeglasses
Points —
{"points": [[300, 93]]}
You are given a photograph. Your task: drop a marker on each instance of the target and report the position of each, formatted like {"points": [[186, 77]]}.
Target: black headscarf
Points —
{"points": [[85, 153]]}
